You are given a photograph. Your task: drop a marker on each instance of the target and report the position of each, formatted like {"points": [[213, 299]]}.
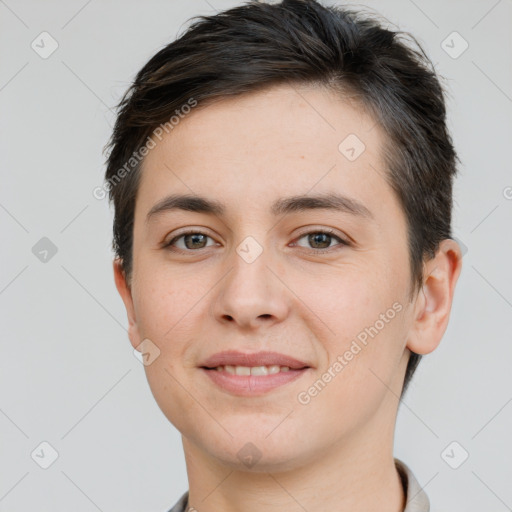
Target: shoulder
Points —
{"points": [[180, 505], [416, 498]]}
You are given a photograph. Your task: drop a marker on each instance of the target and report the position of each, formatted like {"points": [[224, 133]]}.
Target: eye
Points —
{"points": [[191, 239], [321, 239]]}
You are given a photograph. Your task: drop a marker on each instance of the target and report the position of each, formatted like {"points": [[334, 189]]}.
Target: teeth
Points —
{"points": [[253, 370]]}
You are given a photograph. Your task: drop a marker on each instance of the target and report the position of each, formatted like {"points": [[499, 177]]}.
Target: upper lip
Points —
{"points": [[235, 358]]}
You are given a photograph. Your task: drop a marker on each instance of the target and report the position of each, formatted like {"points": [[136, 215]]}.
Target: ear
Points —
{"points": [[124, 290], [434, 301]]}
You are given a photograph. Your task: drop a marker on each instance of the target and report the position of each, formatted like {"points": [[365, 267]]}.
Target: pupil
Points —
{"points": [[195, 238], [315, 239]]}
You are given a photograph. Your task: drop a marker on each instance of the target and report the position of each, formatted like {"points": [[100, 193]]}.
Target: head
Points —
{"points": [[256, 104]]}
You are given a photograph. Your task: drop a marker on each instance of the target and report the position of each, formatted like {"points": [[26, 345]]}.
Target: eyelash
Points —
{"points": [[325, 231]]}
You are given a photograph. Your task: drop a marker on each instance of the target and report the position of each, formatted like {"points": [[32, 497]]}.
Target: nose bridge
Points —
{"points": [[250, 292]]}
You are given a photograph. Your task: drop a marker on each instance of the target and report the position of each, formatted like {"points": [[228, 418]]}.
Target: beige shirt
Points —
{"points": [[416, 499]]}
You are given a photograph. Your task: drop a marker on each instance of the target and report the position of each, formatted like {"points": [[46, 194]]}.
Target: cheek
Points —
{"points": [[345, 298], [165, 297], [166, 315], [169, 312], [357, 379], [358, 319]]}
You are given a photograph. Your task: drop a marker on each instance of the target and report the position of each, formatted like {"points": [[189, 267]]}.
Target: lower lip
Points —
{"points": [[251, 385]]}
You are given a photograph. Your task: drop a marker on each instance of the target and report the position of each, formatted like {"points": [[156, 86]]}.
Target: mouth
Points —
{"points": [[253, 370], [254, 374], [234, 358], [251, 384]]}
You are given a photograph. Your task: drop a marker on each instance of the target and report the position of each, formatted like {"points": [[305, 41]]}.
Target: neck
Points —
{"points": [[352, 474]]}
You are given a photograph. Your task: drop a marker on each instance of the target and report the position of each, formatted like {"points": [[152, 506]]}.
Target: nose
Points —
{"points": [[251, 294]]}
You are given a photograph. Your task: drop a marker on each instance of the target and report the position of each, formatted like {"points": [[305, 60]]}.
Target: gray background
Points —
{"points": [[68, 375]]}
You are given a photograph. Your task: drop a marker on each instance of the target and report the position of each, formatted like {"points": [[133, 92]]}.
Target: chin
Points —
{"points": [[263, 461]]}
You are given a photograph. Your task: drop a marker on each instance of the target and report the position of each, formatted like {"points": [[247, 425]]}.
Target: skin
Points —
{"points": [[248, 152]]}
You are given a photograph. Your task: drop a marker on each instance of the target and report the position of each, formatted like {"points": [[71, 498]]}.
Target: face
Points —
{"points": [[328, 286]]}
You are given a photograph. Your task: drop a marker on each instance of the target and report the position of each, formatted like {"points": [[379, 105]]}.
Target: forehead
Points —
{"points": [[252, 150], [294, 119]]}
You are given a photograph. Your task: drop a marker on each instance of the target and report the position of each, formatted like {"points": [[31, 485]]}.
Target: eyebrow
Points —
{"points": [[283, 206]]}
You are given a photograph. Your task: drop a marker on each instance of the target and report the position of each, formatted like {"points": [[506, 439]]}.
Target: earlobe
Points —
{"points": [[434, 301], [125, 292]]}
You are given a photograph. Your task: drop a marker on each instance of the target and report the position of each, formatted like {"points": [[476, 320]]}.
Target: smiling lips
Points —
{"points": [[252, 374]]}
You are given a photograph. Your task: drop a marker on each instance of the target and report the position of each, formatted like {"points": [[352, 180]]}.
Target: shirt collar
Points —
{"points": [[416, 499]]}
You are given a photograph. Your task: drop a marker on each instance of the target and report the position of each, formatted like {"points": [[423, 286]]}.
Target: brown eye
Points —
{"points": [[319, 240], [192, 240]]}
